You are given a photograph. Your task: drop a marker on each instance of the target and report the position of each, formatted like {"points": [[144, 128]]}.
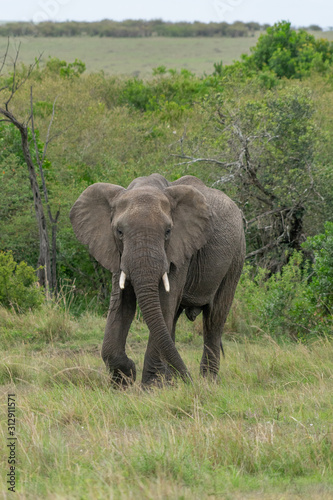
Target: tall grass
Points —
{"points": [[264, 430]]}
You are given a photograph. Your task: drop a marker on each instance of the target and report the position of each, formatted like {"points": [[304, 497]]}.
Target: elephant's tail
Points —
{"points": [[222, 348]]}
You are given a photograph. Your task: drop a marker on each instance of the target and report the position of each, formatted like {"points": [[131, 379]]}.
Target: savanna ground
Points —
{"points": [[264, 430], [138, 56], [135, 56]]}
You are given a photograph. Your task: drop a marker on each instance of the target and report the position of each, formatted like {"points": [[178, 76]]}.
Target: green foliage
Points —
{"points": [[218, 68], [18, 284], [321, 283], [64, 69], [285, 303], [160, 70], [169, 93], [18, 226], [289, 53], [42, 109]]}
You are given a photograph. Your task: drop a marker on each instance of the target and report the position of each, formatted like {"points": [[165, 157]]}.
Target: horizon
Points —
{"points": [[55, 21], [316, 12]]}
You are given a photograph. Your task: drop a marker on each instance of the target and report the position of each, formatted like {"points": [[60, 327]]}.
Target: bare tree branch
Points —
{"points": [[14, 77], [269, 246], [4, 59], [16, 86], [196, 160], [265, 214]]}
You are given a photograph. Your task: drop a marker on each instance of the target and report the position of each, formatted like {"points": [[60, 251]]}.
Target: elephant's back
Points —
{"points": [[190, 180], [153, 180], [214, 197]]}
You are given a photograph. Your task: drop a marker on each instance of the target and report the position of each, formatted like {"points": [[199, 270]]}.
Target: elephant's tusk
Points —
{"points": [[166, 282], [122, 280]]}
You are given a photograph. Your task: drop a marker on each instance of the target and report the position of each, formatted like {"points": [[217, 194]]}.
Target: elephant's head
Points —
{"points": [[138, 233]]}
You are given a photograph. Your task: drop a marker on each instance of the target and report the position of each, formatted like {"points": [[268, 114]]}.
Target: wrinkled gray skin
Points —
{"points": [[193, 233]]}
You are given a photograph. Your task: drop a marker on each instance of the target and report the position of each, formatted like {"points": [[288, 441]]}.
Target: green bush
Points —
{"points": [[18, 284], [169, 93], [321, 284], [289, 53], [64, 69], [286, 303]]}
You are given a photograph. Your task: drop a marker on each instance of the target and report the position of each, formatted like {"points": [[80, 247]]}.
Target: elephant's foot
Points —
{"points": [[155, 373], [121, 381], [210, 364], [122, 374], [158, 373], [157, 379], [209, 375], [166, 379]]}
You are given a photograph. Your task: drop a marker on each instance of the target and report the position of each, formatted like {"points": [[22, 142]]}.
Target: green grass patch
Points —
{"points": [[263, 430], [133, 56]]}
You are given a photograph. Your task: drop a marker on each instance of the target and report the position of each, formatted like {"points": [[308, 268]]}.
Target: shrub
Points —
{"points": [[18, 284], [286, 303], [321, 284], [64, 69], [289, 53], [169, 93]]}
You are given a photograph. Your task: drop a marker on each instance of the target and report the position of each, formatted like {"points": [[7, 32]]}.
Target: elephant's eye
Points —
{"points": [[167, 233], [120, 233]]}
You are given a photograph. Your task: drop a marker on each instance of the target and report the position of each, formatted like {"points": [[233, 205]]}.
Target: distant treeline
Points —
{"points": [[131, 28]]}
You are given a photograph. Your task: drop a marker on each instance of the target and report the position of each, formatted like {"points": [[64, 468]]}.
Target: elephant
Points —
{"points": [[171, 247]]}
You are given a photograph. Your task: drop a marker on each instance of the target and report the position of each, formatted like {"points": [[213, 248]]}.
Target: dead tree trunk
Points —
{"points": [[53, 220]]}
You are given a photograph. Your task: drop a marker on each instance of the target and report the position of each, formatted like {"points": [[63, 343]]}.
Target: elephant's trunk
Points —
{"points": [[145, 266], [149, 302]]}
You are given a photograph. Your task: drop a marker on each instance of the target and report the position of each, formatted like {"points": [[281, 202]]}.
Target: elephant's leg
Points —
{"points": [[214, 318], [176, 318], [120, 316]]}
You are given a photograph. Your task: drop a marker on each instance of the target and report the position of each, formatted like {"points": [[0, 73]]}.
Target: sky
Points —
{"points": [[299, 12]]}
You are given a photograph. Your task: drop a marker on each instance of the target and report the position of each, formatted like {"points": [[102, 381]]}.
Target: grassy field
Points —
{"points": [[263, 431], [133, 56], [138, 56]]}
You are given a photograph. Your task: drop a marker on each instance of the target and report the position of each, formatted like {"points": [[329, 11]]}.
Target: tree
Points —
{"points": [[262, 154], [34, 160], [289, 53], [314, 27]]}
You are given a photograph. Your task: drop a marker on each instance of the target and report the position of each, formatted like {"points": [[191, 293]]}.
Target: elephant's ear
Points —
{"points": [[192, 224], [91, 220]]}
